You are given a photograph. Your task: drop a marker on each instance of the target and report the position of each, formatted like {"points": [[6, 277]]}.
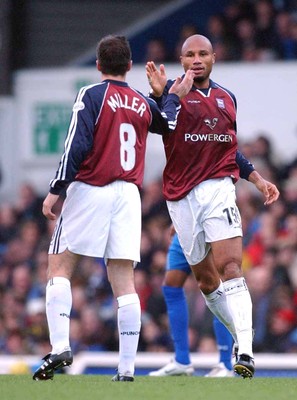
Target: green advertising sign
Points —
{"points": [[51, 121]]}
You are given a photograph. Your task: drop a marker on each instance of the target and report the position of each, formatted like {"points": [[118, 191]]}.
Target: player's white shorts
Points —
{"points": [[207, 214], [100, 221]]}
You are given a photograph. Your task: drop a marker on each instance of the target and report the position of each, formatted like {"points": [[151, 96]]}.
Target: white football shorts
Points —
{"points": [[100, 221], [207, 214]]}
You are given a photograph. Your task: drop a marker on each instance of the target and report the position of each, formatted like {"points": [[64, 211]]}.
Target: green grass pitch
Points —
{"points": [[100, 387]]}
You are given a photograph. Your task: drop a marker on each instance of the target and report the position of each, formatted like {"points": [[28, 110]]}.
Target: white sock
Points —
{"points": [[240, 306], [129, 323], [217, 303], [58, 307]]}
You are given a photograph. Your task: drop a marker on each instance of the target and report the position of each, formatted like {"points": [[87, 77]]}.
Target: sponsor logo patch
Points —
{"points": [[79, 105]]}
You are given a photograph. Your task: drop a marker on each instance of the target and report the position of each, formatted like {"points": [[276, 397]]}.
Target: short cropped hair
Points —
{"points": [[114, 54]]}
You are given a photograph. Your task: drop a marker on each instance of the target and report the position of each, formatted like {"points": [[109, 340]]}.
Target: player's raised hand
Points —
{"points": [[181, 87], [48, 205], [156, 78]]}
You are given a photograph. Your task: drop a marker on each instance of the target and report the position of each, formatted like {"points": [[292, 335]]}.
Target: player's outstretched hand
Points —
{"points": [[48, 205], [181, 87], [271, 193], [156, 78], [269, 190]]}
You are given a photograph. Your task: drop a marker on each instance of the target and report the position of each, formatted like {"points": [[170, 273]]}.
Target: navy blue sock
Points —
{"points": [[177, 309], [224, 342]]}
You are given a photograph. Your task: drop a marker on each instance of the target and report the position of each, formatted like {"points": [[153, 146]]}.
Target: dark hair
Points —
{"points": [[113, 54]]}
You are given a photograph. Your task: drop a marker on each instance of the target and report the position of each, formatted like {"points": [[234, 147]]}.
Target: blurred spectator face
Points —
{"points": [[291, 225], [290, 190], [90, 322], [4, 275], [232, 11], [250, 53], [264, 13], [156, 51], [158, 261], [7, 215], [150, 332], [207, 345], [187, 31], [221, 50], [15, 343], [293, 31], [268, 229], [262, 147], [278, 209], [283, 21], [27, 196], [245, 29], [21, 281], [29, 233], [146, 243], [79, 300], [141, 280], [215, 28], [285, 256], [282, 321], [259, 280], [282, 297], [17, 252], [41, 266], [76, 330]]}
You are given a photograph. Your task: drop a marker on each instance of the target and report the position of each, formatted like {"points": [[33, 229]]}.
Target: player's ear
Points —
{"points": [[214, 58], [98, 66], [129, 65]]}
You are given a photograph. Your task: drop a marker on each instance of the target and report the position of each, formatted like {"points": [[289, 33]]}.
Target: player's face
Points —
{"points": [[198, 55]]}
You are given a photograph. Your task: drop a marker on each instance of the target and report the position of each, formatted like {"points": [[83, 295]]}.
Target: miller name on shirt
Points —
{"points": [[130, 103]]}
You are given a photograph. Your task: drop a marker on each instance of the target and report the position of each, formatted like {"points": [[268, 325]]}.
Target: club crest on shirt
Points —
{"points": [[211, 123], [220, 103]]}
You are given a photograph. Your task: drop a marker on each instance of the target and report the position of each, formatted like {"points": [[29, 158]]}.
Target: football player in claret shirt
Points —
{"points": [[102, 167], [198, 184]]}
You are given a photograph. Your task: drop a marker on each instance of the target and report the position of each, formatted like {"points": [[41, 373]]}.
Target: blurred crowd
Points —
{"points": [[247, 30], [270, 267]]}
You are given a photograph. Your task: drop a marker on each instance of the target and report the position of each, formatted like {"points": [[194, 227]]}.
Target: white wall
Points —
{"points": [[9, 154], [266, 95]]}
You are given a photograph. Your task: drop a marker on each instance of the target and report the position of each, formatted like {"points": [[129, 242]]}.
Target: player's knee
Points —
{"points": [[231, 270]]}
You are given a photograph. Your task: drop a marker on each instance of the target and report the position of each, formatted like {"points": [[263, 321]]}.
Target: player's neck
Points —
{"points": [[203, 84], [121, 78]]}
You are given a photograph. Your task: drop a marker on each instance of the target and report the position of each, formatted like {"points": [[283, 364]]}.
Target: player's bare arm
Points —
{"points": [[48, 205], [269, 190], [156, 78]]}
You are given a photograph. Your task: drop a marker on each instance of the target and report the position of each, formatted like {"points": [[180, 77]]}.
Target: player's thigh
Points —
{"points": [[62, 264], [227, 256]]}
